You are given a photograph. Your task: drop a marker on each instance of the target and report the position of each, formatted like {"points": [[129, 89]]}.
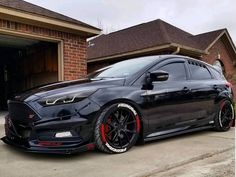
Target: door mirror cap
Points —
{"points": [[159, 75]]}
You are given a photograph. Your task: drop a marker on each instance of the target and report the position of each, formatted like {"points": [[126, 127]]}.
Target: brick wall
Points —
{"points": [[75, 59], [226, 59], [75, 49], [95, 66], [224, 55]]}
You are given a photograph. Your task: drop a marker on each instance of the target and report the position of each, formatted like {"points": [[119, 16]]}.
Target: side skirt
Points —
{"points": [[164, 134]]}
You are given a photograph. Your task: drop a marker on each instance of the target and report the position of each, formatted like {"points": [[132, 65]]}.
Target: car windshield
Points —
{"points": [[123, 69]]}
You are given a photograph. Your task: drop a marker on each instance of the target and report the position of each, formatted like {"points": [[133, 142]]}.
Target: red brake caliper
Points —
{"points": [[103, 136], [232, 122], [137, 123], [107, 126], [222, 105], [105, 130]]}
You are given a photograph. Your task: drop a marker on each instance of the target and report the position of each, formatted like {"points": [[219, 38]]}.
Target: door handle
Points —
{"points": [[215, 87], [186, 90]]}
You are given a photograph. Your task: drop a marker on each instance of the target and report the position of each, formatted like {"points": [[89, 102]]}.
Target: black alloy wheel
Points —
{"points": [[225, 117], [117, 128]]}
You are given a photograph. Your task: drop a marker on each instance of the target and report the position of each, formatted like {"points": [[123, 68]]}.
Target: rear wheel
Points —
{"points": [[225, 116], [117, 128]]}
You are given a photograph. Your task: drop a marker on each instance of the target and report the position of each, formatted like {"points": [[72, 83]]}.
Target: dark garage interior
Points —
{"points": [[24, 64]]}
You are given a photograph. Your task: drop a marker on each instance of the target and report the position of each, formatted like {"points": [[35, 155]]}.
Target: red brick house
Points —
{"points": [[159, 37], [38, 46]]}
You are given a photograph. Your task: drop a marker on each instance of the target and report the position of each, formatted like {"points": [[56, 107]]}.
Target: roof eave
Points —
{"points": [[130, 53], [42, 21], [191, 50], [156, 48], [220, 35]]}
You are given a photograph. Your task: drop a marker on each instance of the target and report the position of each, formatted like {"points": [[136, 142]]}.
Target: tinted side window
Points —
{"points": [[199, 71], [176, 71]]}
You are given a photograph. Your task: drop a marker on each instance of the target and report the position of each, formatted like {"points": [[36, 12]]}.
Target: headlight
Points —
{"points": [[65, 98]]}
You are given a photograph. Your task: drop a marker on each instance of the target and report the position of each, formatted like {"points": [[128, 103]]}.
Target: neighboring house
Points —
{"points": [[38, 46], [159, 37]]}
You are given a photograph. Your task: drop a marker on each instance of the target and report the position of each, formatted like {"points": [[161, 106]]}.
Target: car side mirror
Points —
{"points": [[159, 75], [155, 76]]}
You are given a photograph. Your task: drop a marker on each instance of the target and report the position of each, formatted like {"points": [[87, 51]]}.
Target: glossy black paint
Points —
{"points": [[166, 108]]}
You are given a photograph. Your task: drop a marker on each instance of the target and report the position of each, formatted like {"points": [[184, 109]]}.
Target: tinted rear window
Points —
{"points": [[199, 71], [217, 74]]}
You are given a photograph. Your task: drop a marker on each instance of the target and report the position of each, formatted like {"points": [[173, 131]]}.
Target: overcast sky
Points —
{"points": [[194, 16]]}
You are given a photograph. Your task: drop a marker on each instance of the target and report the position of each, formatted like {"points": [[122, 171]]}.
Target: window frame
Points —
{"points": [[141, 80], [164, 63], [188, 63]]}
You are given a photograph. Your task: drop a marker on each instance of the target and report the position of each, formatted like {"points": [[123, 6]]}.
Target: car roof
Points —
{"points": [[169, 56], [161, 58]]}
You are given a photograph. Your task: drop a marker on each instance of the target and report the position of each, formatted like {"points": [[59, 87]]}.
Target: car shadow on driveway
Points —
{"points": [[184, 135], [94, 153], [40, 156], [150, 158]]}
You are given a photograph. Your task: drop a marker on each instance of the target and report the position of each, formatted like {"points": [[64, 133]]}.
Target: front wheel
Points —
{"points": [[117, 128], [225, 116]]}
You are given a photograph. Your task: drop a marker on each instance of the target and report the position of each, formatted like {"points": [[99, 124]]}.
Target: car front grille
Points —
{"points": [[20, 120], [21, 113], [16, 129]]}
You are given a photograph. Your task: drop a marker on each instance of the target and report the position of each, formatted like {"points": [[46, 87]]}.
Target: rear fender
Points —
{"points": [[225, 96]]}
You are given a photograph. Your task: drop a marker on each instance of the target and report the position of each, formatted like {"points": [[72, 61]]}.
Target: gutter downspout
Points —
{"points": [[176, 51]]}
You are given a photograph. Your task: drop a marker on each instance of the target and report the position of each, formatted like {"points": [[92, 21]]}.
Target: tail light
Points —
{"points": [[229, 85]]}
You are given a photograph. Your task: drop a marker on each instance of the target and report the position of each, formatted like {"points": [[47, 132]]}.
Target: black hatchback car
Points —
{"points": [[139, 99]]}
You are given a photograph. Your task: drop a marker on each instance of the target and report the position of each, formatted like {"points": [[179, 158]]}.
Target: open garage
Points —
{"points": [[39, 46], [25, 63]]}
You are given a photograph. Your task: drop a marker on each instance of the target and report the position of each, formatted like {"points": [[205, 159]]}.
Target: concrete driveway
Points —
{"points": [[206, 153]]}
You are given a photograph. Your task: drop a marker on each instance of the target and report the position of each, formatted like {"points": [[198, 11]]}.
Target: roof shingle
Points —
{"points": [[146, 35], [205, 39], [34, 9]]}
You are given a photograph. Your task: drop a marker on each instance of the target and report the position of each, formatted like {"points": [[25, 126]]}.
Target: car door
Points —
{"points": [[167, 104], [204, 92]]}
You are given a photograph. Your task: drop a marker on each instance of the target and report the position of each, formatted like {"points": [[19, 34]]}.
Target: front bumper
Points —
{"points": [[50, 150], [41, 138], [25, 128]]}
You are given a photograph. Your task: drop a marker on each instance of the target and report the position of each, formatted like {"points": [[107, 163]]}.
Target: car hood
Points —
{"points": [[67, 87]]}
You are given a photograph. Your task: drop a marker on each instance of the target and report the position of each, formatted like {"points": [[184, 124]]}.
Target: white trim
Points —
{"points": [[231, 42], [220, 35], [45, 21], [60, 61]]}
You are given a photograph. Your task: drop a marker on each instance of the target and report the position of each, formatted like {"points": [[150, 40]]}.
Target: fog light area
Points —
{"points": [[63, 134]]}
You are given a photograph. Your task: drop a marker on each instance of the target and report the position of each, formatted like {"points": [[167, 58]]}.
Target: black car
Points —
{"points": [[139, 99]]}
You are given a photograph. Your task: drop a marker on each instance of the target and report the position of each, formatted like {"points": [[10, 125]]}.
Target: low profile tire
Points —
{"points": [[117, 128], [225, 116]]}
